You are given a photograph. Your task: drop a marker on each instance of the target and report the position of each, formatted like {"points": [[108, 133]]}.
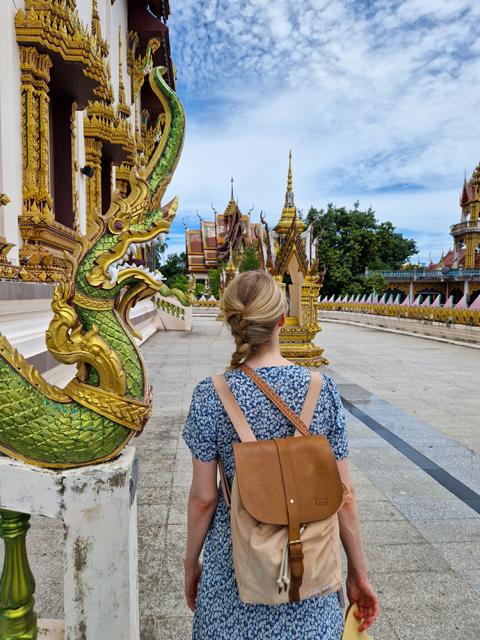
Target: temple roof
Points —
{"points": [[471, 188]]}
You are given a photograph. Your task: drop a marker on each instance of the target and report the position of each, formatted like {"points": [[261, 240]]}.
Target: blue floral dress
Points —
{"points": [[209, 434]]}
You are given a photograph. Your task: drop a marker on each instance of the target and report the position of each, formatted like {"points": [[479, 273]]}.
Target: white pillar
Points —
{"points": [[10, 129], [99, 509]]}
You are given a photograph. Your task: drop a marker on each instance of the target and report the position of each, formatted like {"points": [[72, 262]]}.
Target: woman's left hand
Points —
{"points": [[192, 579]]}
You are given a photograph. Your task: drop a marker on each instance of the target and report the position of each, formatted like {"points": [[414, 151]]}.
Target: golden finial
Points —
{"points": [[289, 180], [95, 20], [123, 109], [231, 203], [97, 31]]}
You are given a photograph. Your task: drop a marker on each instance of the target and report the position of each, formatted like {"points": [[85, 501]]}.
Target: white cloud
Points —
{"points": [[369, 96]]}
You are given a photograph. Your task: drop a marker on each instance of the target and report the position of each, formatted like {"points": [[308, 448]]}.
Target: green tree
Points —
{"points": [[175, 265], [249, 261], [352, 241], [214, 281], [374, 282], [180, 281]]}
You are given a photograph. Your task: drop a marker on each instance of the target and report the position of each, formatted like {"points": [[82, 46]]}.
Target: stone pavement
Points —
{"points": [[422, 542]]}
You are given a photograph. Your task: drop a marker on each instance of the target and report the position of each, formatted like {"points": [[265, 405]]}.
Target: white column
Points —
{"points": [[10, 129], [99, 509], [101, 592]]}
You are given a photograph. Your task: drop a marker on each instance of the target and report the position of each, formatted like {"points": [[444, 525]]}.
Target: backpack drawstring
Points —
{"points": [[283, 579]]}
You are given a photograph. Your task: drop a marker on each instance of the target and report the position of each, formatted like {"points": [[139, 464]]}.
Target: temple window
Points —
{"points": [[60, 158]]}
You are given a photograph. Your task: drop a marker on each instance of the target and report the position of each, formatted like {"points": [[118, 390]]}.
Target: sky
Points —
{"points": [[378, 101]]}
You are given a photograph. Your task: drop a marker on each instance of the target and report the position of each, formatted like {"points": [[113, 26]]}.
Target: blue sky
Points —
{"points": [[378, 101]]}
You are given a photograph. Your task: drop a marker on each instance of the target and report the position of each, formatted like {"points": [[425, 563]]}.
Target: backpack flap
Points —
{"points": [[315, 486]]}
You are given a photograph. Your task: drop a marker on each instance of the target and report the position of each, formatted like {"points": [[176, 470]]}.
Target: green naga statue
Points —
{"points": [[109, 400]]}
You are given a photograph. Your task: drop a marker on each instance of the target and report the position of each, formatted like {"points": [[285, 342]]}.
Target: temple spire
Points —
{"points": [[289, 212], [123, 109], [231, 205], [289, 180]]}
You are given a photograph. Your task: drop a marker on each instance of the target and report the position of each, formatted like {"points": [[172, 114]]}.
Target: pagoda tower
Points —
{"points": [[466, 234], [294, 265]]}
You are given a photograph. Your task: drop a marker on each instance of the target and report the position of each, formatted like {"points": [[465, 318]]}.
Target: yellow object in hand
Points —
{"points": [[352, 624]]}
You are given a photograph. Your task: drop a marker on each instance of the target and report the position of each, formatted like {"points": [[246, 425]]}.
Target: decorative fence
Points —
{"points": [[169, 307], [432, 312]]}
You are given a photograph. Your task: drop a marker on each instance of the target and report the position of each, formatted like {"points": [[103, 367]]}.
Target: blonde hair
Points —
{"points": [[252, 305]]}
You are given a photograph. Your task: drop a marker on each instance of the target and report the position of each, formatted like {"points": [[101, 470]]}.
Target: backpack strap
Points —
{"points": [[311, 399], [243, 429], [301, 423]]}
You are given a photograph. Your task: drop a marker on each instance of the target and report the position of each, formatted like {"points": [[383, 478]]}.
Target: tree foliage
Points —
{"points": [[353, 241], [249, 261], [214, 281], [174, 266]]}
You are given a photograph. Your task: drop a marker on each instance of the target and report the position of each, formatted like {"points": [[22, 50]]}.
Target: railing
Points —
{"points": [[466, 225], [423, 274], [445, 315], [170, 308]]}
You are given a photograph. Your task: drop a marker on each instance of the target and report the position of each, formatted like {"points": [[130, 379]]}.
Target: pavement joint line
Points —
{"points": [[449, 482]]}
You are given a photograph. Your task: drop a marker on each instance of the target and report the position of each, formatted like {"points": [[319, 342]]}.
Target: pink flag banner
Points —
{"points": [[426, 302], [390, 299], [461, 304], [370, 299], [436, 302], [416, 302], [397, 299], [363, 299], [332, 299], [475, 306], [449, 303], [406, 302]]}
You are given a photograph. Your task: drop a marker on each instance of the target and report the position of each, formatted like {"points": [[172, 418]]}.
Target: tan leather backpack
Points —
{"points": [[283, 505]]}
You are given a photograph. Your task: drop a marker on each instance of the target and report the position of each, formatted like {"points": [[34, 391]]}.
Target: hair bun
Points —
{"points": [[252, 305]]}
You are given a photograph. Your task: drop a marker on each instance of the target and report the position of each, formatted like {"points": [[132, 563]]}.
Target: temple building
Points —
{"points": [[217, 239], [77, 113], [457, 273]]}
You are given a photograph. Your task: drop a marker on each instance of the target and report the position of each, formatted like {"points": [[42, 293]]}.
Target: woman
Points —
{"points": [[254, 307]]}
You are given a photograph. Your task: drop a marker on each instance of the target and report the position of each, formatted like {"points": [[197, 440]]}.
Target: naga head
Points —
{"points": [[131, 222], [108, 262]]}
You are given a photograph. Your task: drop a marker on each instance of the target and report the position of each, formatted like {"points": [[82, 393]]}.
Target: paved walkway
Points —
{"points": [[422, 542]]}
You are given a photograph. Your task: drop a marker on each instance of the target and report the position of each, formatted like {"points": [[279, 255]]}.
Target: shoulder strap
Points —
{"points": [[300, 423], [311, 399], [233, 410]]}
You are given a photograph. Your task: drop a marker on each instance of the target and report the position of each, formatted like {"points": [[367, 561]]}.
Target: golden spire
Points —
{"points": [[232, 205], [97, 31], [289, 211], [230, 268], [289, 179], [123, 109]]}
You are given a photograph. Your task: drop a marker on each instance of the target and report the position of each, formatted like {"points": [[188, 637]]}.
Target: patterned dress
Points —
{"points": [[209, 434]]}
